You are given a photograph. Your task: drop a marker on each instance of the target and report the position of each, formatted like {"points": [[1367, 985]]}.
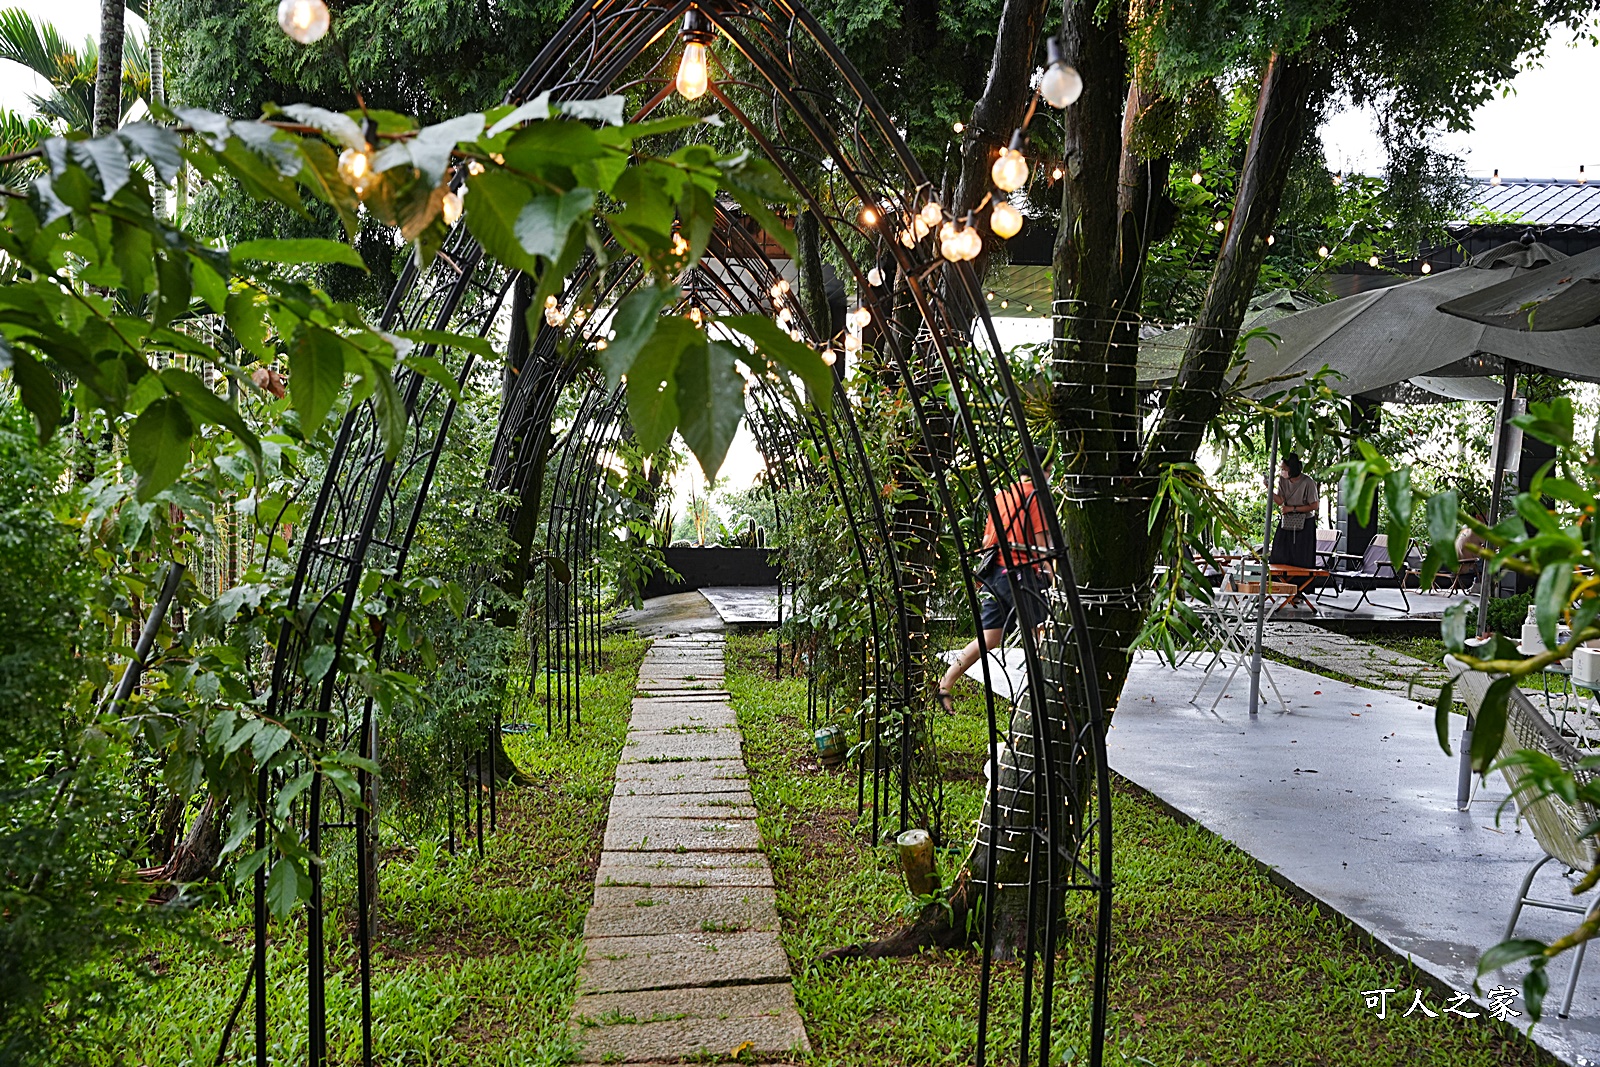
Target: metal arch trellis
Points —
{"points": [[1047, 814]]}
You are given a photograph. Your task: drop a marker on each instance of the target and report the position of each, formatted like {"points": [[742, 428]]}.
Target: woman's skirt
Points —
{"points": [[1297, 548]]}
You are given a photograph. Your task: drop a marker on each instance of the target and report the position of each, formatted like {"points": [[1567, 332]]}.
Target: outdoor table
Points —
{"points": [[1301, 578]]}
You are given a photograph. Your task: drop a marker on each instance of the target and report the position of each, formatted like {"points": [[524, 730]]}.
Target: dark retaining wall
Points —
{"points": [[698, 567]]}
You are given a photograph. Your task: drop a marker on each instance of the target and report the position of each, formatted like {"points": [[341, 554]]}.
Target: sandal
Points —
{"points": [[947, 701]]}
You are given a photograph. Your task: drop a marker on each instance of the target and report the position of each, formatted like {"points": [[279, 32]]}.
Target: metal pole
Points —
{"points": [[147, 638], [1496, 495], [1266, 572]]}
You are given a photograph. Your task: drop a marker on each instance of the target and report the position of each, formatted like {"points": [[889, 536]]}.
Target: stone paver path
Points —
{"points": [[683, 958], [1354, 658]]}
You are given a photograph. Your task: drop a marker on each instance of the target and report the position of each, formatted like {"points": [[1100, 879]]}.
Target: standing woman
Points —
{"points": [[1295, 543]]}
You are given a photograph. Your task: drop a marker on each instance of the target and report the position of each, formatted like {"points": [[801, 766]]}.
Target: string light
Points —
{"points": [[1055, 175], [306, 21], [1323, 251], [960, 127], [875, 277], [1062, 84], [474, 167], [1494, 179], [828, 357], [1004, 219], [930, 214], [1427, 268], [1219, 225], [863, 317], [1271, 240], [1010, 171], [695, 316], [1372, 261], [450, 208], [1197, 177], [869, 217], [1005, 303], [694, 72], [355, 167]]}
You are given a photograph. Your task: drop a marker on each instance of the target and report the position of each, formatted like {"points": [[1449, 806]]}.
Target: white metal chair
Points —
{"points": [[1229, 635]]}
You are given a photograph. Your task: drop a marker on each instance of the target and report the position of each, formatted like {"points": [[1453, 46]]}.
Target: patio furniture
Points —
{"points": [[1229, 635], [1375, 571], [1466, 570], [1557, 826]]}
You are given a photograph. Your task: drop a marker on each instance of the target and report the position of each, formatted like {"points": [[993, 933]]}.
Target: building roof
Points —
{"points": [[1538, 201]]}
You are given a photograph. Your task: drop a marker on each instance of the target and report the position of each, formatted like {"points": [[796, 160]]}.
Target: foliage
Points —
{"points": [[69, 71], [1549, 533]]}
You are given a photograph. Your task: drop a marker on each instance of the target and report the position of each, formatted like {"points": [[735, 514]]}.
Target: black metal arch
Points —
{"points": [[1045, 835]]}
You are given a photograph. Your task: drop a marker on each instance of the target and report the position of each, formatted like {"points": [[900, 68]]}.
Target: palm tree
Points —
{"points": [[70, 71]]}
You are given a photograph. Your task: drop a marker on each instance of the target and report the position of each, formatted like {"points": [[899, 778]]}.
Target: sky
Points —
{"points": [[1525, 131]]}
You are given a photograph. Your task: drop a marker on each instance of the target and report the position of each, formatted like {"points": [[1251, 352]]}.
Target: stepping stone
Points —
{"points": [[699, 776], [670, 1025], [626, 911], [669, 747], [670, 835], [660, 717], [683, 868], [683, 806], [679, 961]]}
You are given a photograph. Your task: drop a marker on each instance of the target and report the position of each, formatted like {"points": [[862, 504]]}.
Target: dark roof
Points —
{"points": [[1539, 201]]}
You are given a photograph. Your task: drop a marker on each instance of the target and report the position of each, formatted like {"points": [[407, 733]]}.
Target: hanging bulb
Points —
{"points": [[960, 127], [862, 316], [1219, 225], [970, 240], [1323, 251], [1055, 175], [306, 21], [474, 167], [852, 343], [694, 72], [1004, 219], [1427, 268], [1271, 240], [1005, 303], [828, 357], [1372, 261], [931, 214], [450, 208], [355, 167], [1062, 84], [875, 277], [1010, 171], [1495, 178], [1197, 177], [869, 217], [908, 239]]}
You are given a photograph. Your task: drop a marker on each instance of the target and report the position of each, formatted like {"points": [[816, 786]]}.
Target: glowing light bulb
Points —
{"points": [[1062, 84], [1005, 220], [852, 343], [960, 127], [908, 239], [1219, 225], [1271, 240], [355, 167], [869, 217], [1005, 303], [875, 277], [951, 249], [1372, 261], [862, 316], [1197, 177], [1427, 268], [1495, 178], [680, 247], [1323, 251], [1055, 175], [474, 167], [971, 242], [783, 285], [450, 208], [306, 21], [694, 77], [829, 357], [1010, 171]]}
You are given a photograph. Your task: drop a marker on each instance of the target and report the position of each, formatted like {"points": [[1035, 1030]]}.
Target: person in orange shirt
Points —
{"points": [[1028, 540]]}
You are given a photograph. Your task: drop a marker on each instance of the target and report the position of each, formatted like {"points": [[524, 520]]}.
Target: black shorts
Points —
{"points": [[997, 610]]}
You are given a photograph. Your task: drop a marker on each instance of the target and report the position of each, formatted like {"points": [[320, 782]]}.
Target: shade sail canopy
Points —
{"points": [[1565, 298], [1161, 355], [1376, 339]]}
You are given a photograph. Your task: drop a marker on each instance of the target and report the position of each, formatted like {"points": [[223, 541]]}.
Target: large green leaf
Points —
{"points": [[41, 393], [1489, 726], [283, 887], [429, 151], [209, 407], [494, 206], [297, 250], [788, 353], [158, 444], [545, 222], [710, 401], [247, 318], [652, 380], [632, 323], [1399, 504], [316, 373], [1551, 598], [1442, 706]]}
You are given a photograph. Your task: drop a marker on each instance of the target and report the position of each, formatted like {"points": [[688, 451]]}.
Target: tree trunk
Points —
{"points": [[158, 59], [108, 78]]}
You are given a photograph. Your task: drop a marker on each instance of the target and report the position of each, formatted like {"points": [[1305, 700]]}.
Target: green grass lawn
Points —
{"points": [[476, 960], [1212, 963]]}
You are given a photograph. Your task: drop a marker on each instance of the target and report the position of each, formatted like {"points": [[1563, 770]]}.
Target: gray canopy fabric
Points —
{"points": [[1161, 355], [1390, 335], [1567, 298]]}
